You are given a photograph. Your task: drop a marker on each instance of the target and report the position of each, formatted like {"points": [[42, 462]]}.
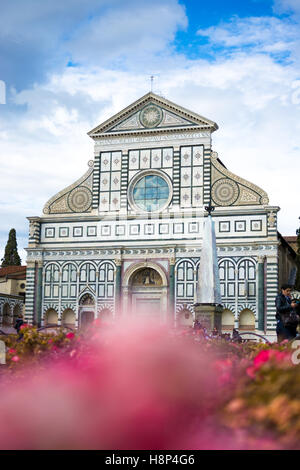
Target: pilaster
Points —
{"points": [[261, 292]]}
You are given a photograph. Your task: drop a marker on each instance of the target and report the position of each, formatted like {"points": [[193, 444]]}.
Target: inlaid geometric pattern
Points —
{"points": [[224, 192], [110, 181], [191, 176], [80, 199], [49, 232], [150, 158]]}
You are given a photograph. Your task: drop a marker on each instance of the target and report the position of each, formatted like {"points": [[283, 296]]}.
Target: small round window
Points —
{"points": [[151, 193]]}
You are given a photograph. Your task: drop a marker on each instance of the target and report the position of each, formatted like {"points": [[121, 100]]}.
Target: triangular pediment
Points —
{"points": [[152, 113]]}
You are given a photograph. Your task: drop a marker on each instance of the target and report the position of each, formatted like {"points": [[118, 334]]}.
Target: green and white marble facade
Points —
{"points": [[91, 238]]}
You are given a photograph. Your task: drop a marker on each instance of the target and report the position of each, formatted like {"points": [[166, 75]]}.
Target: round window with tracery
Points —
{"points": [[151, 193]]}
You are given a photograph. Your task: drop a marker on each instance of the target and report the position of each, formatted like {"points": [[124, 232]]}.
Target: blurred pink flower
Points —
{"points": [[262, 357], [126, 387], [15, 358], [134, 388], [70, 335]]}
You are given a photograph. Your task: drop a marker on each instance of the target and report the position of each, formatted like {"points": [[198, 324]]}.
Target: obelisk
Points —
{"points": [[208, 308]]}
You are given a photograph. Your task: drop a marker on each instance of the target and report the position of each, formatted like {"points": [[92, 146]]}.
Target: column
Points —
{"points": [[118, 309], [172, 287], [271, 292], [30, 294], [261, 292], [38, 294]]}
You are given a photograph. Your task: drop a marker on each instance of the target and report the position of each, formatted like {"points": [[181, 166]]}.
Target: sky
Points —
{"points": [[67, 66]]}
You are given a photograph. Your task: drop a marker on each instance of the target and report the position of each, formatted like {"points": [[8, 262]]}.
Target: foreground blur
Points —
{"points": [[127, 386]]}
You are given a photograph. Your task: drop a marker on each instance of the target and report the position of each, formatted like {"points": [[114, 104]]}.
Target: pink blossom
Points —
{"points": [[12, 351], [70, 335], [262, 357], [136, 388], [15, 358]]}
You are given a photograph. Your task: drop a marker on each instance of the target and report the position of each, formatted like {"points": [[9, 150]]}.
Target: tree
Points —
{"points": [[297, 285], [11, 255]]}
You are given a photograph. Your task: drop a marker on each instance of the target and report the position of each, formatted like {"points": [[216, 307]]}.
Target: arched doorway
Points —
{"points": [[51, 317], [86, 311], [105, 315], [68, 318], [7, 317], [247, 320], [147, 293], [227, 321], [16, 313]]}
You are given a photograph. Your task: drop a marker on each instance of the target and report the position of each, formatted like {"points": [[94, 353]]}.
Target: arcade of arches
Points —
{"points": [[10, 314], [146, 295]]}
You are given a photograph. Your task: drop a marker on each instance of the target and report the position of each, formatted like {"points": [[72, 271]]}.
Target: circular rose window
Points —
{"points": [[151, 193]]}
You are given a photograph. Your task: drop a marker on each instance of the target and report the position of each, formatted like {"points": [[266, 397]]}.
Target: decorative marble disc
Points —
{"points": [[80, 199], [151, 116], [225, 192]]}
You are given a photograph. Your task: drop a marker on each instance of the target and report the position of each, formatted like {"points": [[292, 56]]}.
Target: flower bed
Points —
{"points": [[127, 387]]}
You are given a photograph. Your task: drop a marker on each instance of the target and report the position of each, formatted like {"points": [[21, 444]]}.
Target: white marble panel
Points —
{"points": [[169, 171], [104, 181], [105, 161], [185, 156], [104, 202], [197, 176], [133, 159], [115, 181], [115, 201], [116, 161], [145, 159], [198, 155], [131, 175], [156, 158], [185, 197], [167, 158], [185, 177], [197, 197]]}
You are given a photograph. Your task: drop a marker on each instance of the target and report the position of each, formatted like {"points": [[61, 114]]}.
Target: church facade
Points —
{"points": [[126, 237]]}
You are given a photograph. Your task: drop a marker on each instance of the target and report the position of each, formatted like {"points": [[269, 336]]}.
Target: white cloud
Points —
{"points": [[259, 34], [40, 38], [126, 35], [287, 6]]}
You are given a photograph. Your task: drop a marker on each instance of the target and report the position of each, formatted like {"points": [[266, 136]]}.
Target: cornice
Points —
{"points": [[151, 132]]}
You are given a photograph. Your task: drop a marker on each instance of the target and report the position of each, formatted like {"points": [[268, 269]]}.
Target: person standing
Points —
{"points": [[19, 322], [236, 336], [286, 316]]}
